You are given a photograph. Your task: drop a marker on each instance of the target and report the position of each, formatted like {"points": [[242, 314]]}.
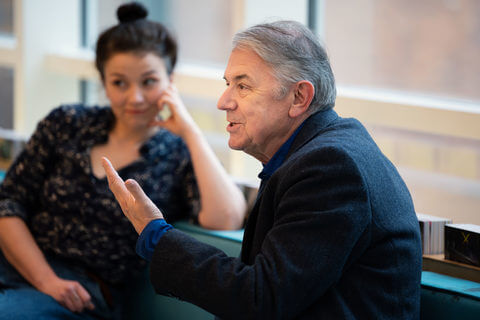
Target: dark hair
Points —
{"points": [[135, 33]]}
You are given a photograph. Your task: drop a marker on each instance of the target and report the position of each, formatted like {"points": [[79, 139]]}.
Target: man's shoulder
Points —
{"points": [[344, 135], [344, 146], [326, 129]]}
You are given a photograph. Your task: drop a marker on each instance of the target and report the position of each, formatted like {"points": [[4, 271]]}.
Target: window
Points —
{"points": [[6, 62], [185, 18], [6, 17], [426, 47], [409, 70], [6, 98]]}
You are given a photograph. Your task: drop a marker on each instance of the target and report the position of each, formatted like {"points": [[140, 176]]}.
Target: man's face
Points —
{"points": [[258, 120]]}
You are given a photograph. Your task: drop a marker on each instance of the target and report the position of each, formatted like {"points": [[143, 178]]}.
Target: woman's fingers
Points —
{"points": [[76, 298], [180, 122], [75, 301], [172, 122], [84, 296]]}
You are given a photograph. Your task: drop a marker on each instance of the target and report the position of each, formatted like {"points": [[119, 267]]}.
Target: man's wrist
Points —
{"points": [[150, 236]]}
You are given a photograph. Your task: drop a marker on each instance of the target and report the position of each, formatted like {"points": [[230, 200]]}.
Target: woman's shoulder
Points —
{"points": [[75, 120], [71, 112], [77, 116]]}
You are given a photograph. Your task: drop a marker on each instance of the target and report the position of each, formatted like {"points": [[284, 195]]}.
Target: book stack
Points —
{"points": [[462, 243], [432, 230]]}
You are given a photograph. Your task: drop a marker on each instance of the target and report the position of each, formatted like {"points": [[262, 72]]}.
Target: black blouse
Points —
{"points": [[71, 213]]}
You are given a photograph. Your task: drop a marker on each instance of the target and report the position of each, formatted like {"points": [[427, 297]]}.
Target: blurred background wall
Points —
{"points": [[409, 70]]}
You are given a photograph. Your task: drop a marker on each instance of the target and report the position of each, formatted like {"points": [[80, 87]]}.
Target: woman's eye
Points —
{"points": [[118, 83], [150, 82]]}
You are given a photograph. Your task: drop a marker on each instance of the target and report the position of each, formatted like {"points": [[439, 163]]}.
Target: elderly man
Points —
{"points": [[333, 233]]}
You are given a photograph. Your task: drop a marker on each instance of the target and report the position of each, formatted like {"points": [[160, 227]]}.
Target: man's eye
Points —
{"points": [[242, 86]]}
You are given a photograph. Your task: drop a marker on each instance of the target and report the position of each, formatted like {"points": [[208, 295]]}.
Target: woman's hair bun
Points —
{"points": [[130, 12]]}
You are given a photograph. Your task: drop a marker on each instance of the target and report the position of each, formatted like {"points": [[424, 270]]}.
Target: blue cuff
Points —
{"points": [[150, 236]]}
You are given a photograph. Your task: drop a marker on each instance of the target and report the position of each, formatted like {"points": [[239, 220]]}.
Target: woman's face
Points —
{"points": [[133, 84]]}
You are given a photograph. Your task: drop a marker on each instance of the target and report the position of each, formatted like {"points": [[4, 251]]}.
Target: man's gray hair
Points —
{"points": [[294, 53]]}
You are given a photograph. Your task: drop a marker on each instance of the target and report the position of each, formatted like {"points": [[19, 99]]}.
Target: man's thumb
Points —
{"points": [[135, 190]]}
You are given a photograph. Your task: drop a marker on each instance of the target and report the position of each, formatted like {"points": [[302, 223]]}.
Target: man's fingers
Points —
{"points": [[116, 185], [115, 182], [134, 188], [112, 174]]}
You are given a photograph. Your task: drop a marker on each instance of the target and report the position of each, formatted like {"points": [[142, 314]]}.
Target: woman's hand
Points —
{"points": [[135, 204], [180, 122], [70, 294]]}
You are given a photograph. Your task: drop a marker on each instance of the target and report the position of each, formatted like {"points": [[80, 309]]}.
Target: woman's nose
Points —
{"points": [[135, 95]]}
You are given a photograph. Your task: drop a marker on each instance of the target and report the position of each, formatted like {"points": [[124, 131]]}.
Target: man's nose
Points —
{"points": [[226, 101]]}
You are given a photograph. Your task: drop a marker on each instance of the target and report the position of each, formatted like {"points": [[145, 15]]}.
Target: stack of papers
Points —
{"points": [[432, 229]]}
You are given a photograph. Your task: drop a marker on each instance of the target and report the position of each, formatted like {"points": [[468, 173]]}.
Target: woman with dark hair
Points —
{"points": [[67, 248]]}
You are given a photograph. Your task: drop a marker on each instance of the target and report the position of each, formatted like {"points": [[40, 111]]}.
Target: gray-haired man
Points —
{"points": [[333, 233]]}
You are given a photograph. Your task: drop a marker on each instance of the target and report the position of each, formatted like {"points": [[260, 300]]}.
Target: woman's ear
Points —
{"points": [[170, 77], [304, 92]]}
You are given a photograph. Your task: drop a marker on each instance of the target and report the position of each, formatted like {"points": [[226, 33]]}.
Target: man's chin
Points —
{"points": [[235, 146]]}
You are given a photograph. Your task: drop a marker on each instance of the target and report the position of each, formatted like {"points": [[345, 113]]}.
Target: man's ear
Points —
{"points": [[304, 92]]}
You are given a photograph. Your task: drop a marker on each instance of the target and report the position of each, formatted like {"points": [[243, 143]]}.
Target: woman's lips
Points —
{"points": [[136, 111]]}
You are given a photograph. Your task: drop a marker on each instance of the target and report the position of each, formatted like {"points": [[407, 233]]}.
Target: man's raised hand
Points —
{"points": [[135, 204]]}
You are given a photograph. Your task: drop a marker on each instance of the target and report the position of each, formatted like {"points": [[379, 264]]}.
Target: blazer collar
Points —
{"points": [[312, 125]]}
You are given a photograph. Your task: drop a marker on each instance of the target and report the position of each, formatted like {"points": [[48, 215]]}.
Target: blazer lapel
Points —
{"points": [[249, 233]]}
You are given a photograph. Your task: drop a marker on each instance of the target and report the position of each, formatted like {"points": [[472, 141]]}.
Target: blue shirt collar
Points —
{"points": [[276, 161]]}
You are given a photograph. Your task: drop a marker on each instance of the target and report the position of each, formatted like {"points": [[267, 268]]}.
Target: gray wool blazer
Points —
{"points": [[333, 235]]}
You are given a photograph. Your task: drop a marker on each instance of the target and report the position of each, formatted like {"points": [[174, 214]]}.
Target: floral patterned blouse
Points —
{"points": [[71, 213]]}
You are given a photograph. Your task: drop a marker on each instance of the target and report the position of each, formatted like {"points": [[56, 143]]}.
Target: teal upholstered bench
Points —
{"points": [[445, 297], [442, 297]]}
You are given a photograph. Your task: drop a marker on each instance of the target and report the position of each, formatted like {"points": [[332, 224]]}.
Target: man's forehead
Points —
{"points": [[244, 64]]}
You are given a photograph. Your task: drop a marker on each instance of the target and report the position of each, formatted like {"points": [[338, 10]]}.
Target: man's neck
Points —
{"points": [[265, 156]]}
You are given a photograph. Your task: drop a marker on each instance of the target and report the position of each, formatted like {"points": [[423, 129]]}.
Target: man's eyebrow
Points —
{"points": [[239, 77]]}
